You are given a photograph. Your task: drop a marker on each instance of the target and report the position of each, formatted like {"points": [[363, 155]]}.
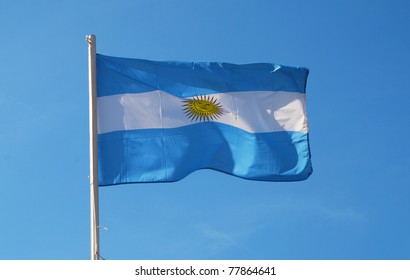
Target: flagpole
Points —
{"points": [[95, 250]]}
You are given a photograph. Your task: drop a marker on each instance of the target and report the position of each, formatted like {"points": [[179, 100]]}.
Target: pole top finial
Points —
{"points": [[90, 38]]}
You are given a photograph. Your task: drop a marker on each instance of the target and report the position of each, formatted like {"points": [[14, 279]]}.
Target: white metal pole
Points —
{"points": [[95, 250]]}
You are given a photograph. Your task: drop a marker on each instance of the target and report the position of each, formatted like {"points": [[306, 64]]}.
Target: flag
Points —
{"points": [[161, 121]]}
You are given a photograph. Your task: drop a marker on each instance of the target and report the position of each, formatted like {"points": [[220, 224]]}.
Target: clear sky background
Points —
{"points": [[356, 205]]}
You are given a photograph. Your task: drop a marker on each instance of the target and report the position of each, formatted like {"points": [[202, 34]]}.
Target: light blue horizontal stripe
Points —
{"points": [[166, 155], [186, 79]]}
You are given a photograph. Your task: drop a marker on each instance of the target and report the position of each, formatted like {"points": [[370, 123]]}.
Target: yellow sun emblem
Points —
{"points": [[202, 108]]}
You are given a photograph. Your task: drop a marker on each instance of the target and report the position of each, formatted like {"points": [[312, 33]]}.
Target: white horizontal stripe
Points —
{"points": [[259, 111]]}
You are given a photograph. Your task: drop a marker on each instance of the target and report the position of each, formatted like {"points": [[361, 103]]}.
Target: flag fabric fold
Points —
{"points": [[161, 121]]}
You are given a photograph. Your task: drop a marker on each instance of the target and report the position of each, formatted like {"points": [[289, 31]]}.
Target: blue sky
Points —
{"points": [[356, 204]]}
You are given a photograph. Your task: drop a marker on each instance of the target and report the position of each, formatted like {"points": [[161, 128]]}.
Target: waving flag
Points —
{"points": [[160, 121]]}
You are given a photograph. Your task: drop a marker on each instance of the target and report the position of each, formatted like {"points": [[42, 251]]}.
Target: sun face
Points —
{"points": [[202, 108]]}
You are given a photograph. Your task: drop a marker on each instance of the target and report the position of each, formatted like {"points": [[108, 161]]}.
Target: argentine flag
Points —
{"points": [[161, 121]]}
